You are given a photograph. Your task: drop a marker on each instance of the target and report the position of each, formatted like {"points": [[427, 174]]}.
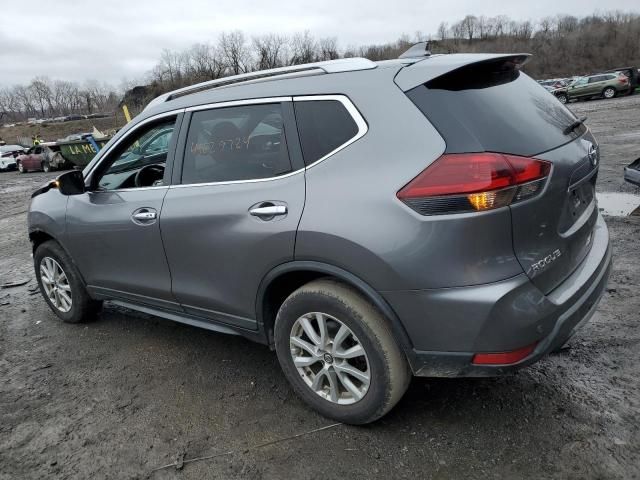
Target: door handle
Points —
{"points": [[268, 211], [144, 216]]}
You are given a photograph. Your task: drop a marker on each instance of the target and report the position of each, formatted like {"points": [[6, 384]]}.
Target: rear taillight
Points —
{"points": [[623, 80], [464, 182]]}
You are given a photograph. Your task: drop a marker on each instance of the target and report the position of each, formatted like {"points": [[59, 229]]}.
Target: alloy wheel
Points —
{"points": [[330, 358], [56, 284]]}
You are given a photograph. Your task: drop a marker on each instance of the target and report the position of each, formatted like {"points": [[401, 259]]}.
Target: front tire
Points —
{"points": [[46, 168], [338, 353], [61, 285], [21, 168], [609, 92]]}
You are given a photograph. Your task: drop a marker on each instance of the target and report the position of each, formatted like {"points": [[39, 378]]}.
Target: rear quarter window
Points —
{"points": [[323, 126], [478, 109]]}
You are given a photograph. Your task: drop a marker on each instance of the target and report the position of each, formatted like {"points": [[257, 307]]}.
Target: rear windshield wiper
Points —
{"points": [[574, 125]]}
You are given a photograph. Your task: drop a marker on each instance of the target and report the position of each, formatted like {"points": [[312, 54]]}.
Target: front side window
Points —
{"points": [[323, 126], [236, 143], [139, 160]]}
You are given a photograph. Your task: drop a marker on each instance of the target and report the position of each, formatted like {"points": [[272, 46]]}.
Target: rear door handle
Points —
{"points": [[268, 211]]}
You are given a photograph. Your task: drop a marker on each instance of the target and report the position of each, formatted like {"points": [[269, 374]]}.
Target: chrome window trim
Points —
{"points": [[351, 108], [235, 182], [126, 135], [131, 189], [238, 103], [353, 111], [343, 99]]}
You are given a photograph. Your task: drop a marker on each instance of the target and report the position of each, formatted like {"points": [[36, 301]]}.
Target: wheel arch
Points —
{"points": [[39, 235], [281, 281]]}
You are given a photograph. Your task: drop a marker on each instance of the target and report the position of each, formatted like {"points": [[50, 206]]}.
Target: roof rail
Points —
{"points": [[420, 49], [317, 68]]}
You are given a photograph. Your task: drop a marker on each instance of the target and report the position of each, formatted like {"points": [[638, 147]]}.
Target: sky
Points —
{"points": [[114, 40]]}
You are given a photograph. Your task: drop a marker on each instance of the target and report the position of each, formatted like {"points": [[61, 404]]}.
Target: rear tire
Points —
{"points": [[339, 394], [609, 92], [61, 284], [563, 98]]}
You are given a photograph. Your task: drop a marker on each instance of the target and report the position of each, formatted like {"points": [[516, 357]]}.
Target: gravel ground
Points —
{"points": [[121, 396]]}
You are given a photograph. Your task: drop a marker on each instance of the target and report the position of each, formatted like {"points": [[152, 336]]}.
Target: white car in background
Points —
{"points": [[8, 154]]}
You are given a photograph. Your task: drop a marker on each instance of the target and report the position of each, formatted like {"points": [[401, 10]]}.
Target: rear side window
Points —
{"points": [[484, 108], [236, 143], [323, 126]]}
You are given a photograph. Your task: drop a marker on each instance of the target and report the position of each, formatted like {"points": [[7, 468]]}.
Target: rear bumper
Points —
{"points": [[499, 317]]}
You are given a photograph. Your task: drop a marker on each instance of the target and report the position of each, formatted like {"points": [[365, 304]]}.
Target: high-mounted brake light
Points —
{"points": [[463, 182]]}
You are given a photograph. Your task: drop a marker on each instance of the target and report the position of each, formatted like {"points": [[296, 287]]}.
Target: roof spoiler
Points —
{"points": [[438, 65], [420, 49]]}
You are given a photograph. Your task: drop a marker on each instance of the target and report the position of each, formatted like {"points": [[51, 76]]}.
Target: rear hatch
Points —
{"points": [[491, 106]]}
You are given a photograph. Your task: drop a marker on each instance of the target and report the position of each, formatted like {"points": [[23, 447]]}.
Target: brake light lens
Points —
{"points": [[464, 182]]}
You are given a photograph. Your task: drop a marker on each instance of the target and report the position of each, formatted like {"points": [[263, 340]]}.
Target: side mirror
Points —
{"points": [[71, 183]]}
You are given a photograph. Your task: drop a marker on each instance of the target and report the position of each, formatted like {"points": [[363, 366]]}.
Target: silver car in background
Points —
{"points": [[430, 215]]}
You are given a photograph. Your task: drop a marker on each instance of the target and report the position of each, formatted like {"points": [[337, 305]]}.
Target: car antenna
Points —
{"points": [[420, 49]]}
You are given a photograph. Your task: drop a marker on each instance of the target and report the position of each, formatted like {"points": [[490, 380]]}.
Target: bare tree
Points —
{"points": [[328, 48], [233, 47], [303, 48], [269, 51]]}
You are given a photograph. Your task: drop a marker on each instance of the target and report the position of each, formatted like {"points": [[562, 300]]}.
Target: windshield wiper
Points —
{"points": [[574, 125]]}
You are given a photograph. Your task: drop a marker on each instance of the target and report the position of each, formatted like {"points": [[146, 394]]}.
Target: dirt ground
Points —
{"points": [[124, 395]]}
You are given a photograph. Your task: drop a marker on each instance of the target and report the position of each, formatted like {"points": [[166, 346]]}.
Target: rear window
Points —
{"points": [[323, 126], [480, 108]]}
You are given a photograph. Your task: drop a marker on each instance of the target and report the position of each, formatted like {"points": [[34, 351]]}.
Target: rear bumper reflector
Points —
{"points": [[503, 358]]}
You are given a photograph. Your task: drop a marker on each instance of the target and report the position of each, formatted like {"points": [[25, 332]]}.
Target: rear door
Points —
{"points": [[233, 214], [492, 108]]}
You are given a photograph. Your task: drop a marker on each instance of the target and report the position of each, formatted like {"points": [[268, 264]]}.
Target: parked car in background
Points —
{"points": [[8, 154], [631, 73], [295, 212], [603, 85], [632, 173], [553, 84], [42, 158]]}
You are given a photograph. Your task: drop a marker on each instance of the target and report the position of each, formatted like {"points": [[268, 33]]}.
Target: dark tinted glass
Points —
{"points": [[484, 109], [323, 125], [236, 143]]}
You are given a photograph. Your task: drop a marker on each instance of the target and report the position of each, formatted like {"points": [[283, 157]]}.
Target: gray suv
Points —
{"points": [[430, 215]]}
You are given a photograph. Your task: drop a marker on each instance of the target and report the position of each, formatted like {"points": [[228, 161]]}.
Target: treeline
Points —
{"points": [[46, 98], [563, 45]]}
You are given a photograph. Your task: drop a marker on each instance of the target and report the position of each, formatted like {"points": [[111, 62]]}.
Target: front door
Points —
{"points": [[579, 87], [113, 230], [233, 214]]}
